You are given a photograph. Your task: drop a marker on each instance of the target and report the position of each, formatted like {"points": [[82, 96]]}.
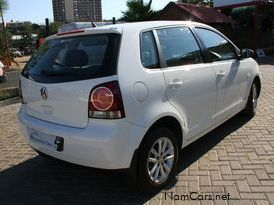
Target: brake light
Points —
{"points": [[106, 101], [102, 98], [70, 32]]}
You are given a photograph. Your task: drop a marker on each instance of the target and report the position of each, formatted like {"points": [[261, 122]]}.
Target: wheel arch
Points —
{"points": [[165, 121], [170, 122]]}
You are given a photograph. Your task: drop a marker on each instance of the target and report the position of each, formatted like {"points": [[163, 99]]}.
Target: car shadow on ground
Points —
{"points": [[41, 181], [210, 140]]}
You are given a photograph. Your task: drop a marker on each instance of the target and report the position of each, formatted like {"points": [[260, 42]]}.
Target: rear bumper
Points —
{"points": [[105, 144]]}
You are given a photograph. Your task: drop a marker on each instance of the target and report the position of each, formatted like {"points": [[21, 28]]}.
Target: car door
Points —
{"points": [[231, 73], [190, 83]]}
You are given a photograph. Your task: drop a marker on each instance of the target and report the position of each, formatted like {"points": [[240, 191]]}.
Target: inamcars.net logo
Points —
{"points": [[195, 196]]}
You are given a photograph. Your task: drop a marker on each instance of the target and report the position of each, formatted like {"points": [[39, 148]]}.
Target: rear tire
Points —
{"points": [[157, 160], [251, 106]]}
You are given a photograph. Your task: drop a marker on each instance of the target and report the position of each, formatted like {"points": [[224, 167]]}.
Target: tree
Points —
{"points": [[2, 37], [3, 42], [201, 2], [3, 6], [53, 29], [26, 39], [4, 49], [245, 16], [35, 28], [138, 11]]}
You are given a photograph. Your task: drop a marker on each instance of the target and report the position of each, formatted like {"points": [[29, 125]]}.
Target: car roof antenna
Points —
{"points": [[92, 23]]}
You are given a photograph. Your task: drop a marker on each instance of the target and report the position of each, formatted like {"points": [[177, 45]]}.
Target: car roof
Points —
{"points": [[135, 27], [139, 26]]}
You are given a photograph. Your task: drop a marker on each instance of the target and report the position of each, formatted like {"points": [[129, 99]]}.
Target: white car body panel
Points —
{"points": [[202, 103], [67, 103], [231, 83], [153, 80], [195, 98], [106, 144]]}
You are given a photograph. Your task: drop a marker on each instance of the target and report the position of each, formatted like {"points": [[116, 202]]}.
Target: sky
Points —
{"points": [[31, 10]]}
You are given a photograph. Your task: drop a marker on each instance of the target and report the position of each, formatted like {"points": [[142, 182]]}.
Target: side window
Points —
{"points": [[149, 54], [219, 48], [179, 46]]}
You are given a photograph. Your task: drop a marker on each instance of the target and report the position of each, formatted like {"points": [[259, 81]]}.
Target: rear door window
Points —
{"points": [[74, 58], [149, 53], [179, 46]]}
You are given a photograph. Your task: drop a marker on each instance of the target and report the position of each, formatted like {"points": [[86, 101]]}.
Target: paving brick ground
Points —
{"points": [[236, 158]]}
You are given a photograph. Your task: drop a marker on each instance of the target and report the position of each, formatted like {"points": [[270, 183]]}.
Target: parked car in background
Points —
{"points": [[130, 96], [28, 50], [15, 53], [2, 73]]}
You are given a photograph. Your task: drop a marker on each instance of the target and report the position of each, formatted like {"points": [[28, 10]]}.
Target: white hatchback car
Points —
{"points": [[133, 95]]}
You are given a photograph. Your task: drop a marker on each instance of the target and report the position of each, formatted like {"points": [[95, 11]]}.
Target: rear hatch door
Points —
{"points": [[57, 81]]}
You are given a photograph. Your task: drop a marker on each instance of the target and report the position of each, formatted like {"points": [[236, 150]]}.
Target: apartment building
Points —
{"points": [[77, 10]]}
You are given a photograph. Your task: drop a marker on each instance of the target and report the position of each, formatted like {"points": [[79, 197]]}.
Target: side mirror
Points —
{"points": [[247, 53]]}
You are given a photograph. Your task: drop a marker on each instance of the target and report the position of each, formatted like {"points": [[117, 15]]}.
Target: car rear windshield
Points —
{"points": [[74, 58]]}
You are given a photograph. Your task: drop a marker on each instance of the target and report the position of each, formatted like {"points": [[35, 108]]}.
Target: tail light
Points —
{"points": [[106, 102], [20, 92]]}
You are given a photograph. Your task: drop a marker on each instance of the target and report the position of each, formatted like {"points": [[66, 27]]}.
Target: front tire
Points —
{"points": [[251, 106], [158, 160]]}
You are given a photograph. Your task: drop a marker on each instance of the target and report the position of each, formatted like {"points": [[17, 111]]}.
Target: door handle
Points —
{"points": [[176, 84], [221, 73]]}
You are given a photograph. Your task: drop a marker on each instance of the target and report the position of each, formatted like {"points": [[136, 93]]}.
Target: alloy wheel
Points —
{"points": [[254, 97], [160, 160]]}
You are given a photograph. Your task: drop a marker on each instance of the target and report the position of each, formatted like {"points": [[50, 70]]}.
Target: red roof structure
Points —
{"points": [[205, 14], [184, 11]]}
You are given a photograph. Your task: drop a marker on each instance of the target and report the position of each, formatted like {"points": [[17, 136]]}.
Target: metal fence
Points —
{"points": [[9, 88]]}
